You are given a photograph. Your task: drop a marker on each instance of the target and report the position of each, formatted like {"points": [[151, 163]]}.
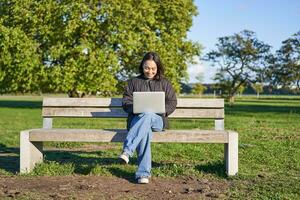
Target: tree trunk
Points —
{"points": [[75, 94], [231, 99]]}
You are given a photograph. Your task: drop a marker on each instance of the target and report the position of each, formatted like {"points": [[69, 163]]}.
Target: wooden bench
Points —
{"points": [[31, 141]]}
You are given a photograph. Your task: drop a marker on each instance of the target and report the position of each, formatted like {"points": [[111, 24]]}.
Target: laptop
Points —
{"points": [[149, 102]]}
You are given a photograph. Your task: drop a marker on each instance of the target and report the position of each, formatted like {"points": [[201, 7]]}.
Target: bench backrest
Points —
{"points": [[112, 108]]}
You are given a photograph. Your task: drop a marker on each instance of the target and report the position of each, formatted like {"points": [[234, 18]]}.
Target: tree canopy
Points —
{"points": [[70, 46], [284, 67], [19, 58], [241, 59]]}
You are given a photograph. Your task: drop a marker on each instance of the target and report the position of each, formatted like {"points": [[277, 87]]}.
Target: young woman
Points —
{"points": [[140, 126]]}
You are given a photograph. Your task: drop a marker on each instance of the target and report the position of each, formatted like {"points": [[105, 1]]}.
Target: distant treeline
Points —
{"points": [[211, 89]]}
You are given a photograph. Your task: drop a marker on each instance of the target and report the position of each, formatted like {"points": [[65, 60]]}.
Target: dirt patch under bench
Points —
{"points": [[102, 187]]}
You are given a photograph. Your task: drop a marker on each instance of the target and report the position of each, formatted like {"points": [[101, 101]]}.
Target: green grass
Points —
{"points": [[269, 147]]}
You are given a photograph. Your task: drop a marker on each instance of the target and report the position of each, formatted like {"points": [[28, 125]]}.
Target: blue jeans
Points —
{"points": [[139, 138]]}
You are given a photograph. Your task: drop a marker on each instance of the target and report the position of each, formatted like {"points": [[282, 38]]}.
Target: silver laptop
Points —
{"points": [[149, 102]]}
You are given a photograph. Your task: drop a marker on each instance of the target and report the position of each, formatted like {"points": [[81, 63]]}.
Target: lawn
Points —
{"points": [[269, 147]]}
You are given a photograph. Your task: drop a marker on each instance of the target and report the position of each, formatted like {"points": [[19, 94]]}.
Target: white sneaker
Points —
{"points": [[124, 157], [143, 180]]}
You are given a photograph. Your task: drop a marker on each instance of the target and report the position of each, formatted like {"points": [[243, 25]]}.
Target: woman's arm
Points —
{"points": [[171, 100], [127, 101]]}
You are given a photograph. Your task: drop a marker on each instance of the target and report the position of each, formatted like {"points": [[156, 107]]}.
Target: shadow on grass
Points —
{"points": [[75, 158], [287, 98], [20, 104], [275, 102], [261, 109], [85, 165], [9, 159], [9, 162], [217, 168], [122, 174]]}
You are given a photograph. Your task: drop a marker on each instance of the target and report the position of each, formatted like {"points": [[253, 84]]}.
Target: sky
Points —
{"points": [[272, 20]]}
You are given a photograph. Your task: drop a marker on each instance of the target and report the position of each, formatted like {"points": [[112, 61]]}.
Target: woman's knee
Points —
{"points": [[147, 114]]}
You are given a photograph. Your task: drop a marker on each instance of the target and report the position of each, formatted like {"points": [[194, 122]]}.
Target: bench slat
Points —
{"points": [[199, 103], [118, 135], [117, 102], [198, 113], [119, 113], [84, 112], [82, 102]]}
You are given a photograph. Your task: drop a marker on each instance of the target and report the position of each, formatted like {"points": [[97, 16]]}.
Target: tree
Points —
{"points": [[241, 90], [241, 60], [20, 68], [258, 87], [198, 89], [284, 67], [90, 46]]}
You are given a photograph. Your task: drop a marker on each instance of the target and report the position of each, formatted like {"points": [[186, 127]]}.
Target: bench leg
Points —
{"points": [[231, 154], [31, 153]]}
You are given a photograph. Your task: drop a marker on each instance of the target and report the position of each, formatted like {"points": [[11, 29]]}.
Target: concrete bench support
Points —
{"points": [[219, 124], [31, 153], [231, 154]]}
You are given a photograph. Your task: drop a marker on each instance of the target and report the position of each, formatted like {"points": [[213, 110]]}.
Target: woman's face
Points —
{"points": [[149, 69]]}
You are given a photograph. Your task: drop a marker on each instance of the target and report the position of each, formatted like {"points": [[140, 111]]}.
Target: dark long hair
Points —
{"points": [[155, 57]]}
